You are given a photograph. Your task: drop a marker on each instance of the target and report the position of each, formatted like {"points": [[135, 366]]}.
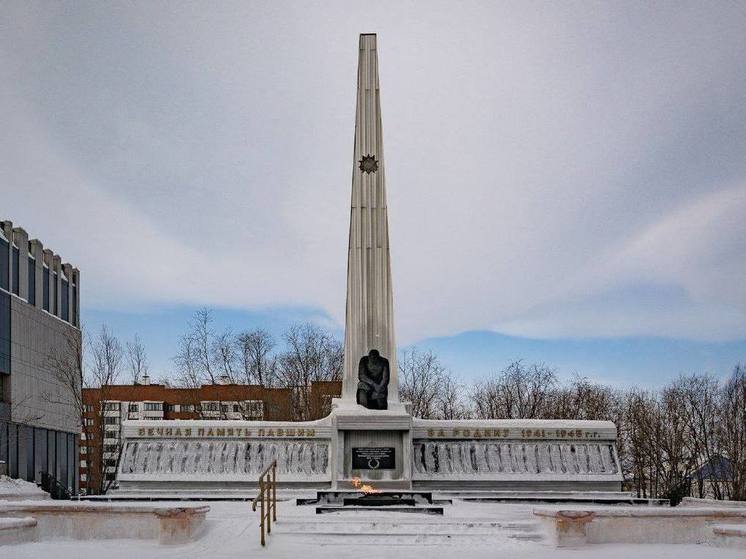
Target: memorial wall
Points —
{"points": [[543, 454]]}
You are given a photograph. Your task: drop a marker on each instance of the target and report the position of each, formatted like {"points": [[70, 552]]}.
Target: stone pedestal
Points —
{"points": [[374, 446]]}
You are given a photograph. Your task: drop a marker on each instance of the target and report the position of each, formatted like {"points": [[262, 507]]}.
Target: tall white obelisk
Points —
{"points": [[369, 321]]}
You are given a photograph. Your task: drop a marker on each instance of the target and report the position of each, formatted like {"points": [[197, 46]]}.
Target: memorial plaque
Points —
{"points": [[373, 458]]}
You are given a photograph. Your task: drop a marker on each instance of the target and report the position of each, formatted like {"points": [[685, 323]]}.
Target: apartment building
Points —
{"points": [[107, 407]]}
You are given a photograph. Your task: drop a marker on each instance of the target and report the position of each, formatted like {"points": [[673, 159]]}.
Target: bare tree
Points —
{"points": [[583, 399], [195, 357], [225, 356], [257, 362], [137, 360], [518, 392], [106, 355], [312, 355], [66, 364], [421, 378], [700, 401], [185, 360], [449, 403], [106, 358], [732, 432]]}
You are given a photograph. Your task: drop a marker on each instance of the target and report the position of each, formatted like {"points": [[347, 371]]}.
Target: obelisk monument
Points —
{"points": [[369, 320]]}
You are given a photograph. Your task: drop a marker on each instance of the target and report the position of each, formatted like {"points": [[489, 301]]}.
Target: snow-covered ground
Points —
{"points": [[467, 530], [12, 489]]}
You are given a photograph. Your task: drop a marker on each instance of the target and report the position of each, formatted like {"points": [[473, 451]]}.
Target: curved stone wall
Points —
{"points": [[225, 457], [450, 458]]}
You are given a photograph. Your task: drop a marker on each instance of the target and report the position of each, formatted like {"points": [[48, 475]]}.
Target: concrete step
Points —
{"points": [[404, 538], [405, 526], [585, 497]]}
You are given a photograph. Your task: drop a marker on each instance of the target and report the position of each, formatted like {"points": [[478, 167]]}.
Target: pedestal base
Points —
{"points": [[373, 447]]}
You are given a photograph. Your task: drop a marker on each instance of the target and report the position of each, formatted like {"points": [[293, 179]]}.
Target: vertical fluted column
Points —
{"points": [[20, 240], [369, 319], [37, 251], [76, 304], [55, 287]]}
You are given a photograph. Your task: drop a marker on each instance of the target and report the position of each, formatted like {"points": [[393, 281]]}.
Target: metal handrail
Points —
{"points": [[267, 499]]}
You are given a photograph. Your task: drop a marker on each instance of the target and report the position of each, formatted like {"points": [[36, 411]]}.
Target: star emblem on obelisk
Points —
{"points": [[368, 164]]}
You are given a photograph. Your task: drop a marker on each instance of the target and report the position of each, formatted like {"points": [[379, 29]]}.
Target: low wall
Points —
{"points": [[93, 521], [634, 525]]}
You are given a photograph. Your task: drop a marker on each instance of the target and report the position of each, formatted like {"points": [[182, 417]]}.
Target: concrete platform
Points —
{"points": [[17, 530], [339, 497], [729, 535]]}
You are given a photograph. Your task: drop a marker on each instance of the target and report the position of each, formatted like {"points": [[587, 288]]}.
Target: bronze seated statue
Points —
{"points": [[373, 374]]}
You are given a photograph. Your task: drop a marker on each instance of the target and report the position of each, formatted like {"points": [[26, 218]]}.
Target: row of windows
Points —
{"points": [[250, 406], [49, 284]]}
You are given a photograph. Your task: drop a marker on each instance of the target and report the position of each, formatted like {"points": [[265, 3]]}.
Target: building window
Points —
{"points": [[88, 407], [153, 406], [187, 407], [4, 270], [210, 406], [133, 408], [16, 270], [111, 420], [89, 422], [45, 289], [31, 281], [223, 408], [111, 435], [55, 310], [254, 408], [236, 408], [65, 300], [111, 448], [4, 342], [111, 406], [75, 305]]}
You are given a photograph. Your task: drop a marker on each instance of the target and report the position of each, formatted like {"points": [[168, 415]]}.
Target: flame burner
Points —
{"points": [[358, 484], [379, 499], [351, 501]]}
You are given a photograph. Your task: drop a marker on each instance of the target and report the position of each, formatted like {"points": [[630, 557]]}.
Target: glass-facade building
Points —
{"points": [[39, 324]]}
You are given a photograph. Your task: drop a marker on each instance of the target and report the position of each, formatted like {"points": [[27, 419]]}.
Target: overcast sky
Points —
{"points": [[555, 170]]}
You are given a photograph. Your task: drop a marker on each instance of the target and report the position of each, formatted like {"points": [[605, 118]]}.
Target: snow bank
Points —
{"points": [[14, 489]]}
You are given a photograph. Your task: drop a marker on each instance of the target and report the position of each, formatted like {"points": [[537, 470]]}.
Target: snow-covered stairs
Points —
{"points": [[381, 528]]}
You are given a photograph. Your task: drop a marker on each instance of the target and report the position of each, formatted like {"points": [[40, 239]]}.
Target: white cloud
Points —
{"points": [[554, 171]]}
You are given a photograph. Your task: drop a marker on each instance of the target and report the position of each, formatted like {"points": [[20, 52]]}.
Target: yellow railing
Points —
{"points": [[267, 499]]}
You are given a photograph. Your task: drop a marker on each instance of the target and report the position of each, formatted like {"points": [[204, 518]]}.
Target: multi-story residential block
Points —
{"points": [[105, 409], [39, 360]]}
